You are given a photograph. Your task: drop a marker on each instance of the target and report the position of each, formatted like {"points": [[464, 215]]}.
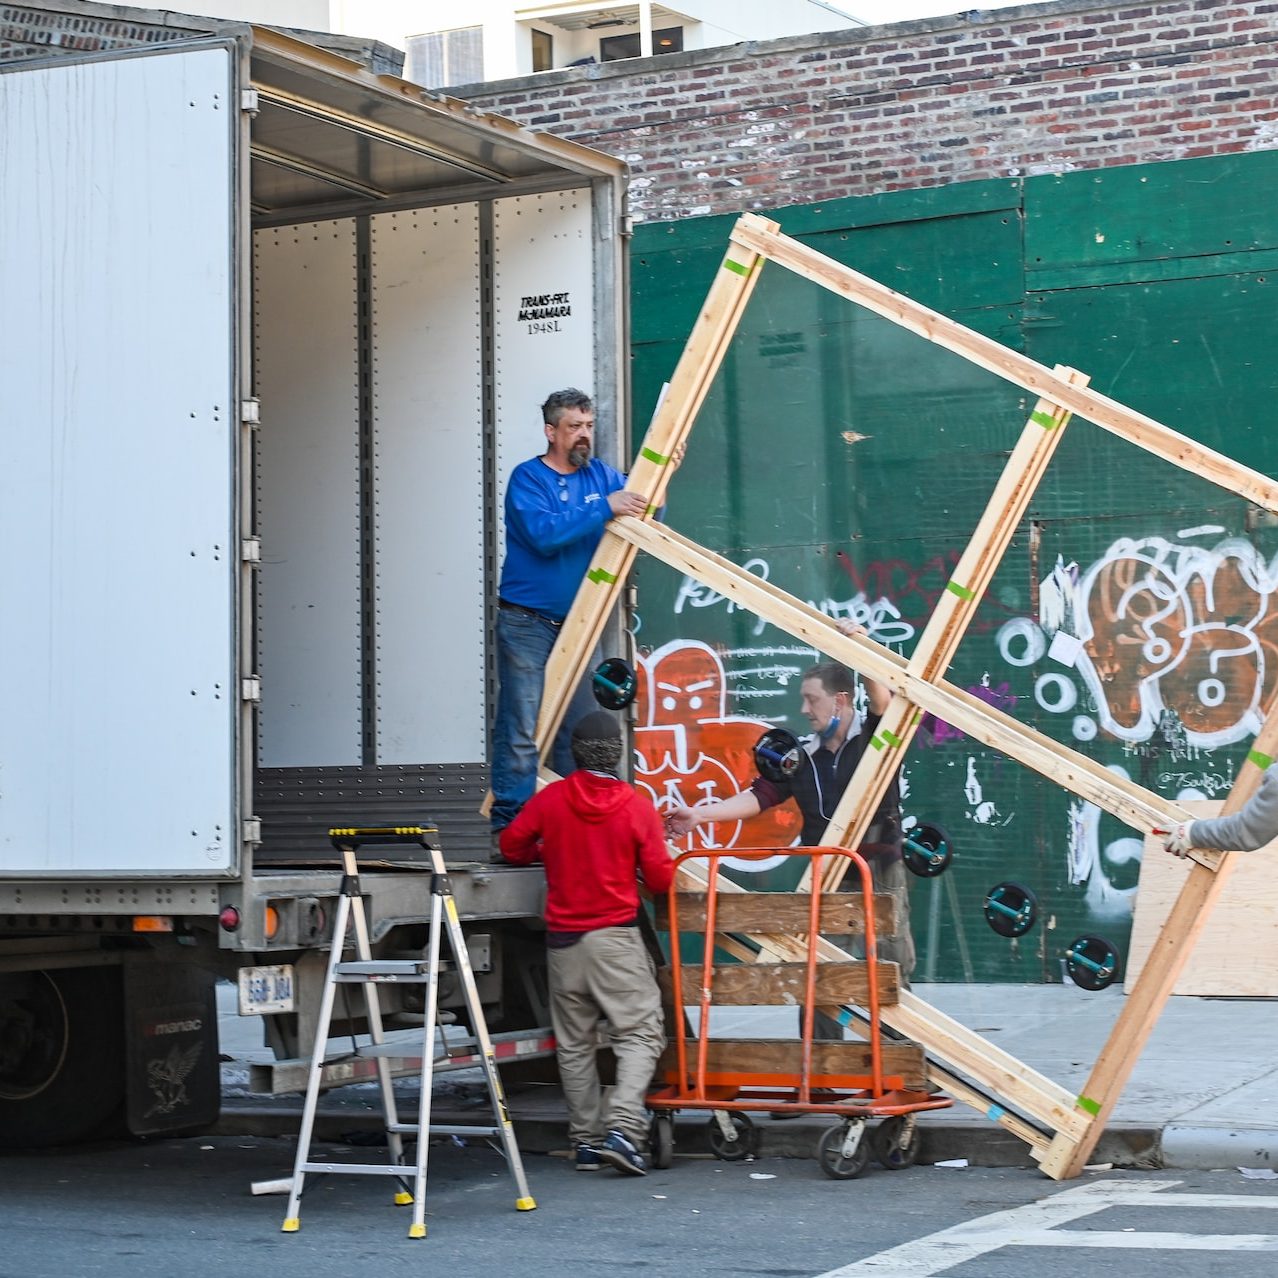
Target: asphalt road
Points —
{"points": [[178, 1206]]}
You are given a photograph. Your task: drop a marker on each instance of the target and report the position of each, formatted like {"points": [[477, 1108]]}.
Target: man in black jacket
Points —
{"points": [[834, 749]]}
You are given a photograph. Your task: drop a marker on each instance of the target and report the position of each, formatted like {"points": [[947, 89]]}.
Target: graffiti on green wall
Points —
{"points": [[1133, 617]]}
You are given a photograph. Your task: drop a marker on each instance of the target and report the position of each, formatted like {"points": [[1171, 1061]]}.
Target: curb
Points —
{"points": [[1201, 1147], [1129, 1147]]}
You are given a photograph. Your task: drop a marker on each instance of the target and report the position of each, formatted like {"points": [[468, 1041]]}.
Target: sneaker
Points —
{"points": [[588, 1158], [494, 850], [621, 1153]]}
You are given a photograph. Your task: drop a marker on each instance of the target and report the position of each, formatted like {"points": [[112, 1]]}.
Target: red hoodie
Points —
{"points": [[595, 835]]}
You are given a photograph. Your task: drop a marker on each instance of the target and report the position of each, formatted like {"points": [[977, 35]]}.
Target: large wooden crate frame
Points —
{"points": [[1060, 1128]]}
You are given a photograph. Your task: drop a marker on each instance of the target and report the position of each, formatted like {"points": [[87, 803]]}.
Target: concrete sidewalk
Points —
{"points": [[1204, 1093]]}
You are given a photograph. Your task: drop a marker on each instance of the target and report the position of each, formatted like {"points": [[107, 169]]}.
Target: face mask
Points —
{"points": [[831, 728]]}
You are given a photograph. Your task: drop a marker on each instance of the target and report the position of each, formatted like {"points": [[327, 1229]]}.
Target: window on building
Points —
{"points": [[543, 50], [441, 58], [614, 48]]}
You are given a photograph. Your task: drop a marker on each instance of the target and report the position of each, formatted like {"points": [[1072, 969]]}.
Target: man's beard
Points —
{"points": [[579, 455]]}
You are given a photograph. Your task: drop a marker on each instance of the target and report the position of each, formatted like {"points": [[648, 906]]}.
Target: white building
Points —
{"points": [[463, 41]]}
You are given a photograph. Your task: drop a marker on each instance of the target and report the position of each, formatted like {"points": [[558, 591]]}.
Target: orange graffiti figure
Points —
{"points": [[687, 751]]}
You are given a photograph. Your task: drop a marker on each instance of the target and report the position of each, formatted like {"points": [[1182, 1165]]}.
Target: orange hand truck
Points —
{"points": [[822, 1082]]}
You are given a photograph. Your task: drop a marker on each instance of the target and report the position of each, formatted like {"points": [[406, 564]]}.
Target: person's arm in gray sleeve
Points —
{"points": [[1251, 827]]}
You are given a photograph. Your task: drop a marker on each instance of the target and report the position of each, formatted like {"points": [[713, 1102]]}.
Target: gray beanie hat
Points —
{"points": [[598, 725], [596, 742]]}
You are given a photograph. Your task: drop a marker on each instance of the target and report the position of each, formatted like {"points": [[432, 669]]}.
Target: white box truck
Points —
{"points": [[273, 331]]}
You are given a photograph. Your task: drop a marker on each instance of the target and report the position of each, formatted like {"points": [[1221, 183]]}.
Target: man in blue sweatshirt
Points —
{"points": [[556, 508], [1251, 827]]}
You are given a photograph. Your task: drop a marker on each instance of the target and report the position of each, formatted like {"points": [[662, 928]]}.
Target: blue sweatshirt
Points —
{"points": [[553, 525]]}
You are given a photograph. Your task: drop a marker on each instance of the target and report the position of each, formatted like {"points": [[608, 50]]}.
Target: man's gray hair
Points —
{"points": [[557, 403]]}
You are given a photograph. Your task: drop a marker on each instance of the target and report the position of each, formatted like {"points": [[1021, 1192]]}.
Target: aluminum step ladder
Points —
{"points": [[368, 972]]}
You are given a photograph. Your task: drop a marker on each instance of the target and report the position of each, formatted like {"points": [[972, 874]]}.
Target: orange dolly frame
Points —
{"points": [[844, 1150]]}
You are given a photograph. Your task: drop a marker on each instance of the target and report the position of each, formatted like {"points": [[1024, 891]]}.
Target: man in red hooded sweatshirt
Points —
{"points": [[596, 837]]}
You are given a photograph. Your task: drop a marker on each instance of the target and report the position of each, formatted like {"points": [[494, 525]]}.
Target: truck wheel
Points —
{"points": [[61, 1056]]}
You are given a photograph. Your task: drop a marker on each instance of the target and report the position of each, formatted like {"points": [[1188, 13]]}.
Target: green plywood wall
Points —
{"points": [[849, 461]]}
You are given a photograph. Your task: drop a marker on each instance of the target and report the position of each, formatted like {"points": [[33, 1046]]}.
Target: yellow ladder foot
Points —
{"points": [[525, 1204], [403, 1198], [417, 1231], [291, 1225]]}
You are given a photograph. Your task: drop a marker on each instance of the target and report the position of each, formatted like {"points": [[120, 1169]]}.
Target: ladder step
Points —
{"points": [[444, 1129], [382, 970], [360, 1169]]}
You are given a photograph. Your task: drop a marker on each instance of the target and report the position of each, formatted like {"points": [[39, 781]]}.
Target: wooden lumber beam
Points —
{"points": [[780, 913], [784, 984], [1166, 961], [953, 613], [777, 1059], [1109, 414], [1085, 777]]}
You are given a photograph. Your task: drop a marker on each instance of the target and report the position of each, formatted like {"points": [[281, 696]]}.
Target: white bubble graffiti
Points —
{"points": [[1055, 692], [1023, 634]]}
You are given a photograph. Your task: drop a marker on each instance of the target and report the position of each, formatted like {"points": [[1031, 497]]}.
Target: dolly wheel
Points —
{"points": [[662, 1138], [897, 1141], [844, 1151], [732, 1151]]}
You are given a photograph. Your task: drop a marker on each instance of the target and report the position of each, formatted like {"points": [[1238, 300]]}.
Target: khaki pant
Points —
{"points": [[607, 974]]}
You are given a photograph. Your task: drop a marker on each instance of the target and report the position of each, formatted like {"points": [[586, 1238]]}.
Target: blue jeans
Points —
{"points": [[524, 642]]}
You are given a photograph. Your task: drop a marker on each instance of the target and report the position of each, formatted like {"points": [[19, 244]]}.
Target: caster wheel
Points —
{"points": [[732, 1151], [844, 1151], [662, 1138], [896, 1142]]}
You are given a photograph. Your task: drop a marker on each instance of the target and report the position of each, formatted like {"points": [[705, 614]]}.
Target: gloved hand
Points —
{"points": [[1177, 840]]}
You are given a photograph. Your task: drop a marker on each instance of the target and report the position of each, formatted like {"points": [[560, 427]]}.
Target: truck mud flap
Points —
{"points": [[173, 1078]]}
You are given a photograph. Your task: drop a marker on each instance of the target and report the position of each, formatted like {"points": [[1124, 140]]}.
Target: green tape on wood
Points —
{"points": [[1260, 760], [877, 742], [1045, 420], [599, 574], [1086, 1103], [962, 591], [653, 456], [736, 266], [891, 738]]}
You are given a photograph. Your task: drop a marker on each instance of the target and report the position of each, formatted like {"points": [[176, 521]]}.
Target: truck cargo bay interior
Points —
{"points": [[406, 257]]}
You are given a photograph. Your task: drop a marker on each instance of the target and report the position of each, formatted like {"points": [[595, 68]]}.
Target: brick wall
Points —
{"points": [[1042, 89]]}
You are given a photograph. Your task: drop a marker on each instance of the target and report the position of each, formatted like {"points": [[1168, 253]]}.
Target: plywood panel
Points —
{"points": [[1237, 953], [832, 1063], [782, 984], [780, 912]]}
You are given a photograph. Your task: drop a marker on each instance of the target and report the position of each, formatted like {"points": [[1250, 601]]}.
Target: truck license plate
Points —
{"points": [[266, 989]]}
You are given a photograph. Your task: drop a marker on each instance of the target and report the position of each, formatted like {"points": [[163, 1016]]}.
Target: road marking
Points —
{"points": [[1036, 1225]]}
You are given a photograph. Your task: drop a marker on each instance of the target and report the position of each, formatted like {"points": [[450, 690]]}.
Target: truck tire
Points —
{"points": [[61, 1056]]}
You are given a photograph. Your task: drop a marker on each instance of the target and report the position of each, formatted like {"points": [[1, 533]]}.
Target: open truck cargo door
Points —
{"points": [[119, 675]]}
